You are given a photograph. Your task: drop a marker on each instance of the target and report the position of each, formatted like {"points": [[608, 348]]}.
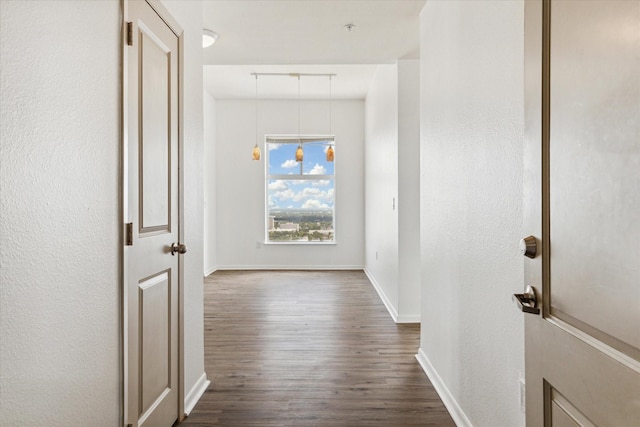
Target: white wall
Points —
{"points": [[471, 206], [210, 203], [241, 183], [60, 295], [392, 176], [59, 157], [189, 16], [381, 177], [408, 204]]}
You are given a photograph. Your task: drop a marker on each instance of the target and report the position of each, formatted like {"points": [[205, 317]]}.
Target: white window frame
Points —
{"points": [[294, 140]]}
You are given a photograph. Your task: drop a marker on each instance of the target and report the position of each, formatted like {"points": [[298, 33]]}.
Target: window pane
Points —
{"points": [[315, 160], [301, 210], [282, 158]]}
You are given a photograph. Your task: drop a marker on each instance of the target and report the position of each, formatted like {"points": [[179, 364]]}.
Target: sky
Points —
{"points": [[300, 194]]}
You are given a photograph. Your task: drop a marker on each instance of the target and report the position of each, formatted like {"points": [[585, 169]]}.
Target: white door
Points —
{"points": [[582, 204], [151, 268]]}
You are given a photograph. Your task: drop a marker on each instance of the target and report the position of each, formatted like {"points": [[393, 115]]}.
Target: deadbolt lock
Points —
{"points": [[529, 247]]}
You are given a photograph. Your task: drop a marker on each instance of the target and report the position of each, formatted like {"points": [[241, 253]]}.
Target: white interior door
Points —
{"points": [[582, 203], [151, 272]]}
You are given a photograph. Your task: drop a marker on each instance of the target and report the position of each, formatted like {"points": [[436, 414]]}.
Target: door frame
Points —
{"points": [[123, 185]]}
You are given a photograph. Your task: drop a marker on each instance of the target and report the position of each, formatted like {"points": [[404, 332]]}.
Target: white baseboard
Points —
{"points": [[456, 412], [390, 308], [195, 393], [408, 318], [290, 267], [210, 271]]}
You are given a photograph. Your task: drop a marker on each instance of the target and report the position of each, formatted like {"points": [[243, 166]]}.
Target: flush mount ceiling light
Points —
{"points": [[349, 27], [208, 38]]}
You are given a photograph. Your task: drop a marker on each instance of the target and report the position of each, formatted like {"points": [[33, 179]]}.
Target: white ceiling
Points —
{"points": [[305, 36]]}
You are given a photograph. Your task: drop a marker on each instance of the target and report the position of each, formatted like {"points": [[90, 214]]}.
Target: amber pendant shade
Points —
{"points": [[330, 154], [256, 153], [299, 154]]}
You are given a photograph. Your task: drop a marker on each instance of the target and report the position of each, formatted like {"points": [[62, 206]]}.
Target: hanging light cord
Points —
{"points": [[298, 109], [256, 109], [330, 99]]}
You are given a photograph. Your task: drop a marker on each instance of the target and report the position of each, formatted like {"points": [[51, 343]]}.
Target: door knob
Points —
{"points": [[529, 247], [528, 301], [180, 248]]}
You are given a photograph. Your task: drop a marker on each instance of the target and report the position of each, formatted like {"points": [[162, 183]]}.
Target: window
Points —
{"points": [[300, 195]]}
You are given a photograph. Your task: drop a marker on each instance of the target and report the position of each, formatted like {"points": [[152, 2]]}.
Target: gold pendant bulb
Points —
{"points": [[256, 153], [330, 154]]}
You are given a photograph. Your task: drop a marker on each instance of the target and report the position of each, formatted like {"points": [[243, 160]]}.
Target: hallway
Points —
{"points": [[303, 348]]}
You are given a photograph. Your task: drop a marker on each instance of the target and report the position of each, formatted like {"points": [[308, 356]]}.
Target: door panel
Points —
{"points": [[155, 337], [152, 205], [563, 413], [594, 169], [155, 141], [582, 157]]}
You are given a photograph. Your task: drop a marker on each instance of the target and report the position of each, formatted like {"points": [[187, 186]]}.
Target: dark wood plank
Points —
{"points": [[309, 348]]}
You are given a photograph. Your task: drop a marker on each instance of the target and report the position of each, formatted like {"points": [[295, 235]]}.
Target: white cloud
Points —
{"points": [[310, 191], [326, 195], [320, 183], [277, 185], [318, 170], [284, 194], [289, 164], [309, 196], [273, 146], [314, 204]]}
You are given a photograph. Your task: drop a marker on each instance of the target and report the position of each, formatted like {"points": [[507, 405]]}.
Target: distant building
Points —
{"points": [[272, 222], [289, 226]]}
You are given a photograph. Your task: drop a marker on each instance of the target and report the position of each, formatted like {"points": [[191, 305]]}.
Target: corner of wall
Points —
{"points": [[455, 410], [385, 300]]}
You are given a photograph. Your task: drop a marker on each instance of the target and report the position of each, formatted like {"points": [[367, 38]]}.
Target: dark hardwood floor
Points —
{"points": [[309, 348]]}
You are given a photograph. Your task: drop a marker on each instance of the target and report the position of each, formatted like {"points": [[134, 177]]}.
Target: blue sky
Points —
{"points": [[282, 160], [300, 194]]}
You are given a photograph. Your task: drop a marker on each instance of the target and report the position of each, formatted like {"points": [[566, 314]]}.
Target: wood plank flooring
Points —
{"points": [[309, 348]]}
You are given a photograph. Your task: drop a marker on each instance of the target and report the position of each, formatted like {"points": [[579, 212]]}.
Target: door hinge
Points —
{"points": [[130, 33], [128, 238]]}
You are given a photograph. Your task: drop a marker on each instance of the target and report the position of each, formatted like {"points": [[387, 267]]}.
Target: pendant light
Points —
{"points": [[299, 152], [330, 153], [256, 150]]}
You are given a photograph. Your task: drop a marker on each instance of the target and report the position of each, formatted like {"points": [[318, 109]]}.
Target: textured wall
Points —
{"points": [[241, 187], [59, 298], [381, 177], [392, 156], [210, 214], [409, 190], [471, 204]]}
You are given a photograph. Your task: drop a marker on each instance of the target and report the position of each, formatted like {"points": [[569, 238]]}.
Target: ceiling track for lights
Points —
{"points": [[295, 74]]}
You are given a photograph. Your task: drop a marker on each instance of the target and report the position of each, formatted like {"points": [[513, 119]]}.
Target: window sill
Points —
{"points": [[299, 243]]}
